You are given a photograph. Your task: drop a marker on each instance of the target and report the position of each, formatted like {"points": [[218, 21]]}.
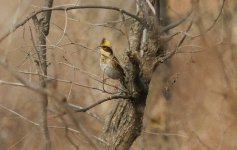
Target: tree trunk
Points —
{"points": [[125, 122]]}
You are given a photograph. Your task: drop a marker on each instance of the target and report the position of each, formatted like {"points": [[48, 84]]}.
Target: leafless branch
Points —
{"points": [[19, 115], [214, 22], [79, 109], [92, 76], [62, 80], [70, 7], [170, 54], [29, 85], [175, 24], [19, 141], [64, 29], [37, 124], [200, 140], [11, 83], [48, 92], [166, 134]]}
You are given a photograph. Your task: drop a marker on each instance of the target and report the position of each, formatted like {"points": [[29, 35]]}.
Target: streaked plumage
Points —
{"points": [[109, 63]]}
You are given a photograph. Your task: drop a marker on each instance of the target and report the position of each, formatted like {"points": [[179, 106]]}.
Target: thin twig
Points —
{"points": [[175, 24], [29, 85], [170, 54], [11, 83], [200, 140], [19, 115], [19, 141], [62, 80], [92, 76], [214, 22], [37, 124], [166, 134], [64, 29]]}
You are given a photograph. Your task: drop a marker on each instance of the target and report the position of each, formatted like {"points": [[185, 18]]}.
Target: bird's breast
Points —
{"points": [[109, 70]]}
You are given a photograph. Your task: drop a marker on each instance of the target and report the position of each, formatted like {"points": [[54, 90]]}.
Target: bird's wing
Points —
{"points": [[117, 65]]}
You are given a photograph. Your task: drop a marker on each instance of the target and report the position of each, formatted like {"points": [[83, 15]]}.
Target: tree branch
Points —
{"points": [[170, 54], [177, 23], [46, 17], [79, 109], [71, 7], [214, 22], [42, 30]]}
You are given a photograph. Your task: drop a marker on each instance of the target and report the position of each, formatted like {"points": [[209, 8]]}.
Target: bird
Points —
{"points": [[109, 63]]}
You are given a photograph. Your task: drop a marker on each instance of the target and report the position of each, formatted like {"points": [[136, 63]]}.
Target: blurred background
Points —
{"points": [[192, 99]]}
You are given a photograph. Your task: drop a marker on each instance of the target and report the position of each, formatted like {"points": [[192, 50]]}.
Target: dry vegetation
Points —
{"points": [[192, 97]]}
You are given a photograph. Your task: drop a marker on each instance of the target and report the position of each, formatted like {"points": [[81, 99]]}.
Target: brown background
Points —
{"points": [[201, 78]]}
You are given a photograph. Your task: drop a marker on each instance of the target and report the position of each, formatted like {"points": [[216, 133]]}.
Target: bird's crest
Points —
{"points": [[106, 43]]}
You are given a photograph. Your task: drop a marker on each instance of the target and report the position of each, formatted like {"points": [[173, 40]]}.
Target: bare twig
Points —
{"points": [[175, 24], [37, 124], [200, 140], [78, 125], [58, 99], [88, 112], [19, 141], [214, 22], [92, 76], [166, 134], [101, 24], [11, 83], [62, 80], [170, 54], [29, 85], [19, 115], [64, 29]]}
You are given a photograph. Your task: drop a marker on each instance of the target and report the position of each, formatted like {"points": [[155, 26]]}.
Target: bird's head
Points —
{"points": [[105, 47], [106, 43]]}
